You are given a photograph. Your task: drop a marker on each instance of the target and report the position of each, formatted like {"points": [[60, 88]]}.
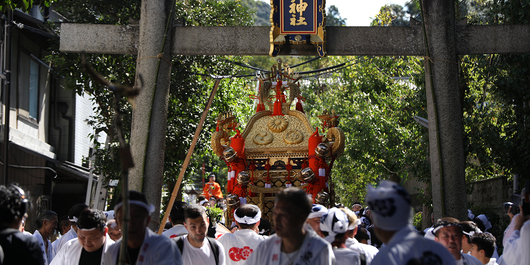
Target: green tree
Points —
{"points": [[333, 17], [24, 5], [496, 98], [260, 11], [189, 89], [376, 98], [390, 15]]}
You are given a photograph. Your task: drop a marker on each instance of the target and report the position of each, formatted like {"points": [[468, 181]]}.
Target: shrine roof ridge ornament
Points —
{"points": [[396, 41]]}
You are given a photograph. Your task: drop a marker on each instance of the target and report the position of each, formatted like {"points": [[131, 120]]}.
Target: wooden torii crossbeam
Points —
{"points": [[442, 41]]}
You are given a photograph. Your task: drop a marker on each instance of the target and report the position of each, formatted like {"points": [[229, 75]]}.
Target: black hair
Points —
{"points": [[177, 212], [13, 203], [297, 198], [193, 211], [63, 221], [47, 215], [362, 234], [264, 227], [76, 210], [249, 210], [484, 241], [479, 224], [92, 218], [201, 198], [467, 227]]}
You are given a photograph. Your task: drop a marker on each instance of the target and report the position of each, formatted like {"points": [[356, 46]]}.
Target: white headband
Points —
{"points": [[443, 225], [247, 219], [358, 205], [150, 209], [203, 201], [335, 221], [73, 220], [317, 211], [86, 229], [470, 233]]}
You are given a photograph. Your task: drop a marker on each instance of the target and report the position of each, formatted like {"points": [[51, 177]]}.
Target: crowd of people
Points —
{"points": [[303, 233]]}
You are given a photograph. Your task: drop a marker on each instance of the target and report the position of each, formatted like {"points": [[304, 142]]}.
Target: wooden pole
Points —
{"points": [[188, 156]]}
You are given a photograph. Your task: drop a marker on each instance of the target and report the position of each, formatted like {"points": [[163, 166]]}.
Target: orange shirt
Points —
{"points": [[212, 188]]}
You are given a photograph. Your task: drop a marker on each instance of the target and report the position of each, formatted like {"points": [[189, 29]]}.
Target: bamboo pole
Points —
{"points": [[188, 156]]}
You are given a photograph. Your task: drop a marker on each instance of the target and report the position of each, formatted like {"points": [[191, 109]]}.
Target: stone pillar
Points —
{"points": [[149, 119], [446, 139]]}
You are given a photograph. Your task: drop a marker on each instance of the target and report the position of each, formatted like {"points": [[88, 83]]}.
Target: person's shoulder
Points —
{"points": [[471, 260], [316, 238], [175, 231], [226, 237], [526, 226], [19, 236], [273, 239], [71, 242], [368, 248], [115, 246], [345, 252], [159, 239], [215, 241]]}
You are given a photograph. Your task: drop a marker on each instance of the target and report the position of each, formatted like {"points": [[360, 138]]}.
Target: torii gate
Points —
{"points": [[445, 41]]}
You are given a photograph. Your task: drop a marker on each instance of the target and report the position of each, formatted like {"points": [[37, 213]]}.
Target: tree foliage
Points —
{"points": [[390, 15], [24, 5], [333, 17], [260, 11], [496, 98], [376, 98], [189, 90]]}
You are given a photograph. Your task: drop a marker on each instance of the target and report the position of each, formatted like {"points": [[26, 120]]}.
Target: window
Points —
{"points": [[28, 100]]}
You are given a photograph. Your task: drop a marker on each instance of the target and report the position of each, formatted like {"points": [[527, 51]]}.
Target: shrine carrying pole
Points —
{"points": [[188, 155]]}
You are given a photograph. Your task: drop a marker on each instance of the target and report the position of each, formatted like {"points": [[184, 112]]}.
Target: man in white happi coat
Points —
{"points": [[368, 251], [46, 224], [243, 242], [392, 217], [517, 246], [334, 225], [448, 232], [176, 217], [143, 245], [91, 243], [292, 244], [73, 214]]}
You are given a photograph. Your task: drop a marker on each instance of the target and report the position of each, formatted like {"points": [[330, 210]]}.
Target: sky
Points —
{"points": [[359, 12]]}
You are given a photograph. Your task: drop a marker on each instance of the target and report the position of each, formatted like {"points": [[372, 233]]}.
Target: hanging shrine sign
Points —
{"points": [[298, 22]]}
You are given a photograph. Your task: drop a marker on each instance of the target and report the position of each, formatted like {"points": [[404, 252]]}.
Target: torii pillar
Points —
{"points": [[149, 118], [444, 111]]}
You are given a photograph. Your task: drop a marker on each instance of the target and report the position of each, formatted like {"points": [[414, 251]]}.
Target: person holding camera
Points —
{"points": [[517, 245]]}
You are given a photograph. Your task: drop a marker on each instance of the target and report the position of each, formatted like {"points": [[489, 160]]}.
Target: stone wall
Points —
{"points": [[490, 193]]}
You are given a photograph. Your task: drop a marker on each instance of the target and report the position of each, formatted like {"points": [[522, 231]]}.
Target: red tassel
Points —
{"points": [[288, 167], [268, 167]]}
